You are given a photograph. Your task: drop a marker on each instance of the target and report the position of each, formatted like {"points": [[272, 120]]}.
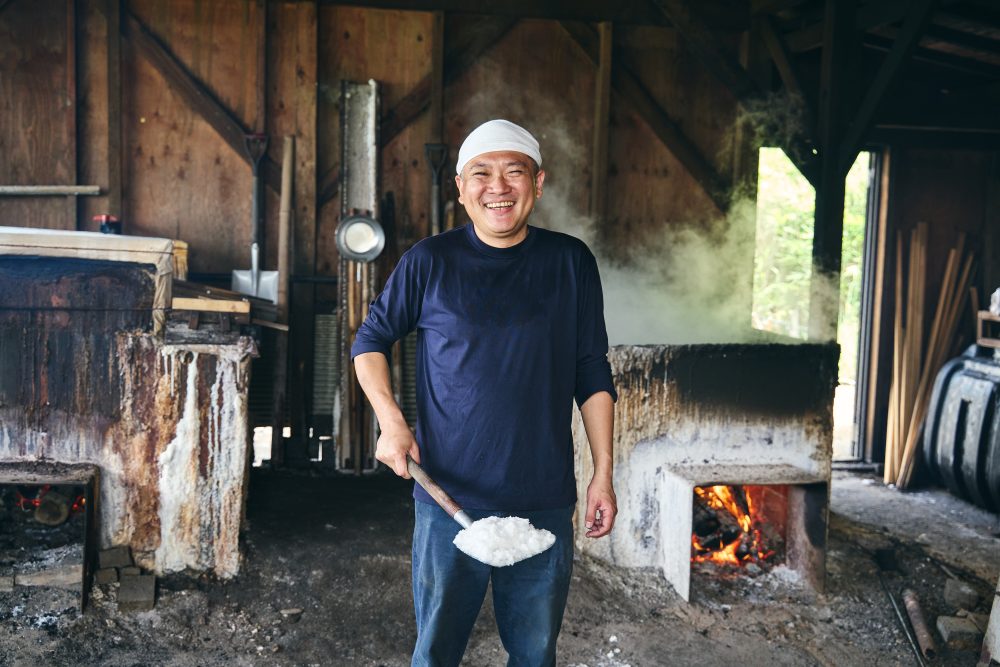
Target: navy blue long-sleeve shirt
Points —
{"points": [[506, 339]]}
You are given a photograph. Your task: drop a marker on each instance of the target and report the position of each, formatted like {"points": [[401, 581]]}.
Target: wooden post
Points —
{"points": [[824, 297], [436, 132], [72, 208], [293, 48], [602, 111], [114, 21]]}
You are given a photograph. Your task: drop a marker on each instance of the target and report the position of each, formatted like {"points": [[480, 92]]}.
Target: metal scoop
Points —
{"points": [[495, 541]]}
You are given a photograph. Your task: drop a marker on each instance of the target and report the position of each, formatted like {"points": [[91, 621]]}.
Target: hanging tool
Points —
{"points": [[437, 157], [263, 284]]}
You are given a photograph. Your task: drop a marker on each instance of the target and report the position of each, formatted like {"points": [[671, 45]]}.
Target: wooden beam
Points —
{"points": [[113, 15], [733, 15], [728, 71], [705, 45], [602, 111], [828, 231], [626, 84], [459, 54], [782, 59], [914, 25], [196, 95], [789, 73], [868, 16]]}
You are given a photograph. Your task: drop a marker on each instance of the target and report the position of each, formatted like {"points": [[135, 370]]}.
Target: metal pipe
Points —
{"points": [[903, 623], [47, 190], [920, 629]]}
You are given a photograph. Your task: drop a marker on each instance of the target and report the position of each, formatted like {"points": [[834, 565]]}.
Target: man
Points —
{"points": [[510, 326]]}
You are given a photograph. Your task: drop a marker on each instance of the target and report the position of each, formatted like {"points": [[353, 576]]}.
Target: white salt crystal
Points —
{"points": [[500, 541]]}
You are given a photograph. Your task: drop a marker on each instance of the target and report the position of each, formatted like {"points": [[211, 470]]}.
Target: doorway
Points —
{"points": [[783, 266]]}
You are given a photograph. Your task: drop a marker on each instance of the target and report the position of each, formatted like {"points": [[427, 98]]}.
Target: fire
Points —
{"points": [[30, 504], [745, 546]]}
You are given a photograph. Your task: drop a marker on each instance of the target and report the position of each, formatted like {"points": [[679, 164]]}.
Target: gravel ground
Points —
{"points": [[337, 548]]}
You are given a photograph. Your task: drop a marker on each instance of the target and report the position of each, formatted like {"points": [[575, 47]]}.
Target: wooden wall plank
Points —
{"points": [[36, 98], [182, 180], [293, 55], [394, 48], [550, 91]]}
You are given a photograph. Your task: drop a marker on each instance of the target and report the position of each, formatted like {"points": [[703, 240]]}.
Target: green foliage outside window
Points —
{"points": [[783, 257]]}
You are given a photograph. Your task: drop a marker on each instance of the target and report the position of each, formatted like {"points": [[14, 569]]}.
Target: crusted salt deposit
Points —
{"points": [[500, 541]]}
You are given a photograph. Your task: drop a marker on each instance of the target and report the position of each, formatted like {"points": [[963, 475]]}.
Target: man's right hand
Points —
{"points": [[393, 446]]}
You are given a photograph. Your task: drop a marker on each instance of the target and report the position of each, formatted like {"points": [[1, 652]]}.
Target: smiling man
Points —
{"points": [[510, 330]]}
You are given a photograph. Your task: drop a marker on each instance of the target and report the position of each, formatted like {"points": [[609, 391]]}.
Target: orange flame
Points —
{"points": [[722, 498]]}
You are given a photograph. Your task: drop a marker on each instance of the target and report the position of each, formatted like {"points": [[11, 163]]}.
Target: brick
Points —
{"points": [[115, 557], [130, 571], [107, 575], [960, 634], [6, 584], [137, 593], [960, 595]]}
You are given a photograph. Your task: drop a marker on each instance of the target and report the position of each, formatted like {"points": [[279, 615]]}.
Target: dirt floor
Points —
{"points": [[337, 548]]}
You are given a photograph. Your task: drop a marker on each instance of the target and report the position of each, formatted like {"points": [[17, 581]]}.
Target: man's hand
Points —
{"points": [[599, 420], [396, 440], [602, 508], [393, 445]]}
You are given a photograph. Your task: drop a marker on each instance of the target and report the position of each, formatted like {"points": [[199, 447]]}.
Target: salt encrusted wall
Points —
{"points": [[85, 380], [173, 459], [697, 406]]}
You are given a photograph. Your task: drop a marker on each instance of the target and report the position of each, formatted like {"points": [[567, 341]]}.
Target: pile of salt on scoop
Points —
{"points": [[496, 541], [501, 541]]}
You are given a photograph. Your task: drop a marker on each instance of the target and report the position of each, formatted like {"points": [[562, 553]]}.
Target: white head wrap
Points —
{"points": [[498, 135]]}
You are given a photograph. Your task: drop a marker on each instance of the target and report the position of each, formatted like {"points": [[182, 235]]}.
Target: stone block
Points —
{"points": [[6, 584], [960, 634], [130, 571], [115, 557], [137, 593], [960, 595], [107, 575]]}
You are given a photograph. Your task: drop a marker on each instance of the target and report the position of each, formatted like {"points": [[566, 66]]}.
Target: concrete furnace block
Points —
{"points": [[960, 595], [960, 634], [107, 575], [137, 593], [115, 557]]}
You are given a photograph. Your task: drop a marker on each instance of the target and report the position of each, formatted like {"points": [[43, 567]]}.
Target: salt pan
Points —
{"points": [[501, 541]]}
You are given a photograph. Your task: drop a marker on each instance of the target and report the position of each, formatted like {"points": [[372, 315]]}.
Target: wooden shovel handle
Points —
{"points": [[435, 491]]}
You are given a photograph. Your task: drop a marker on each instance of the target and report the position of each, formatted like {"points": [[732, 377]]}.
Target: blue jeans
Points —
{"points": [[449, 588]]}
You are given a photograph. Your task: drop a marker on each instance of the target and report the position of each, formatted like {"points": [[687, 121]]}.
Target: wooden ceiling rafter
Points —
{"points": [[703, 43], [914, 25], [196, 94], [667, 130], [731, 15]]}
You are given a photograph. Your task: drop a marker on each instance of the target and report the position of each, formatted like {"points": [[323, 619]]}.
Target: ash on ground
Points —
{"points": [[326, 581]]}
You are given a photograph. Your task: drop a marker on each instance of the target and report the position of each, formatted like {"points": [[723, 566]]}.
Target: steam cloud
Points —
{"points": [[692, 283]]}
